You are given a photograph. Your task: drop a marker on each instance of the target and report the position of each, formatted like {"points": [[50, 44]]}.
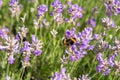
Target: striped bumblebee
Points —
{"points": [[69, 41]]}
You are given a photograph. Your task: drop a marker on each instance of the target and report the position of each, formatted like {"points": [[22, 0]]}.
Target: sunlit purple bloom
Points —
{"points": [[104, 64], [91, 47], [61, 75], [15, 8], [77, 24], [26, 47], [66, 19], [91, 22], [72, 58], [57, 6], [12, 2], [26, 50], [112, 7], [17, 37], [41, 10], [79, 49], [3, 33], [37, 53], [96, 36], [70, 33], [51, 13], [36, 46], [111, 60], [11, 59], [75, 11], [57, 11]]}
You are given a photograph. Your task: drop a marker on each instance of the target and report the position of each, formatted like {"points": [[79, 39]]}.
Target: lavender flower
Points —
{"points": [[26, 50], [107, 22], [41, 10], [57, 6], [70, 33], [15, 8], [77, 24], [4, 32], [11, 59], [12, 47], [104, 64], [112, 7], [79, 49], [12, 2], [36, 46], [75, 11], [91, 22], [57, 11], [102, 44], [61, 76]]}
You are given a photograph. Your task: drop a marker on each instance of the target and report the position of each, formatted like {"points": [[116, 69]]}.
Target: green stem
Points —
{"points": [[21, 74], [100, 77], [94, 75], [11, 24], [74, 66], [92, 65], [7, 72]]}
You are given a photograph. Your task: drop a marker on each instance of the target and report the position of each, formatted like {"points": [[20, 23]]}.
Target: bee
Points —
{"points": [[69, 41]]}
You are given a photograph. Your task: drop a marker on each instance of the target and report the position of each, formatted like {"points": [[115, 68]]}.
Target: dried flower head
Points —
{"points": [[84, 77], [22, 32], [54, 32]]}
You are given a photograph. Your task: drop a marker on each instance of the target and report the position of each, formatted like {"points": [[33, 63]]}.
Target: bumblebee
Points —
{"points": [[69, 42]]}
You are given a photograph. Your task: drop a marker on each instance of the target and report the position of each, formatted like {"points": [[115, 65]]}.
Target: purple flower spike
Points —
{"points": [[12, 2], [112, 7], [75, 11], [111, 60], [79, 49], [11, 59], [41, 10], [61, 75], [104, 65], [58, 7], [37, 53], [91, 22], [69, 34], [26, 47], [36, 46]]}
